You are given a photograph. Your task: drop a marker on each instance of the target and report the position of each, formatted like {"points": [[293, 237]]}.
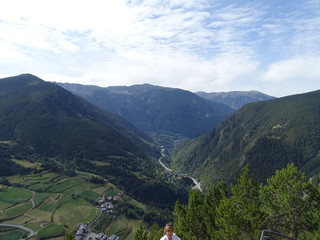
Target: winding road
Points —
{"points": [[31, 233], [197, 185]]}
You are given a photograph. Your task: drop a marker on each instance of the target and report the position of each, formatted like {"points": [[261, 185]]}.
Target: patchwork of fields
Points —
{"points": [[53, 205]]}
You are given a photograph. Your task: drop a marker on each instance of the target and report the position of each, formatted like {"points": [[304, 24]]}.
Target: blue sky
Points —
{"points": [[272, 46]]}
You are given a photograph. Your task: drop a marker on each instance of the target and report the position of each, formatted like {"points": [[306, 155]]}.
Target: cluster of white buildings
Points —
{"points": [[172, 176], [105, 205], [114, 237], [83, 233]]}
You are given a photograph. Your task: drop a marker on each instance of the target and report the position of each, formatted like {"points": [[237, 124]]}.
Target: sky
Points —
{"points": [[271, 46]]}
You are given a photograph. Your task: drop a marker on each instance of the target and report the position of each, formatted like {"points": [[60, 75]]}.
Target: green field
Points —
{"points": [[14, 195], [53, 205], [51, 230], [15, 211], [10, 234]]}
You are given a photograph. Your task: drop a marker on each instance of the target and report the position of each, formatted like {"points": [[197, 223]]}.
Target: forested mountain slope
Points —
{"points": [[157, 109], [52, 121], [267, 135], [43, 122]]}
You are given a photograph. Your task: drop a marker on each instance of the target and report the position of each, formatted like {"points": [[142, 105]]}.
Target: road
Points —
{"points": [[31, 233], [197, 185]]}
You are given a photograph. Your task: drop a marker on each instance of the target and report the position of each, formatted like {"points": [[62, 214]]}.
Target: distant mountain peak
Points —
{"points": [[158, 109], [235, 99]]}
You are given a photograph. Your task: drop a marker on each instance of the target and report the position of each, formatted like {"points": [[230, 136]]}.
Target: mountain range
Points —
{"points": [[157, 109], [43, 122], [235, 99], [266, 135], [71, 143]]}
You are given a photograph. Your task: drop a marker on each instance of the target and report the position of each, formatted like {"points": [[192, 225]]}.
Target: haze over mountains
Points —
{"points": [[53, 122], [235, 99], [157, 109]]}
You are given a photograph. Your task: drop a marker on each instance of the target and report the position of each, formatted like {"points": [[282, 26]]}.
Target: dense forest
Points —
{"points": [[286, 203]]}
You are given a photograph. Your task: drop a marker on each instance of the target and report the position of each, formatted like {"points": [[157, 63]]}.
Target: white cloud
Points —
{"points": [[299, 68], [193, 44], [9, 52]]}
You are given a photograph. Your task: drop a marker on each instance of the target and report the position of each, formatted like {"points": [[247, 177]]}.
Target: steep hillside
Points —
{"points": [[267, 135], [53, 121], [42, 122], [157, 109], [235, 99]]}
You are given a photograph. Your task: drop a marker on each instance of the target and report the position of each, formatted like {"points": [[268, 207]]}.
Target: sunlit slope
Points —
{"points": [[267, 135]]}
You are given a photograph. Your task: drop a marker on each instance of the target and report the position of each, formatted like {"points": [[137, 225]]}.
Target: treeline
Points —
{"points": [[286, 203]]}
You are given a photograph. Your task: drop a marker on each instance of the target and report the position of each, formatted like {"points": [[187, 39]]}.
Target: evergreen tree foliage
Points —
{"points": [[239, 215], [291, 203], [214, 195], [287, 203], [69, 236], [189, 221], [154, 233], [141, 234]]}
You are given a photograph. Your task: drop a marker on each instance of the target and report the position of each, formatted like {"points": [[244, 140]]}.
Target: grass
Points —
{"points": [[11, 235], [51, 230], [110, 193], [9, 143], [35, 226], [4, 205], [119, 227], [73, 212], [34, 182], [15, 211], [102, 223], [100, 190], [40, 215], [40, 198], [50, 205], [66, 208], [14, 195], [66, 184], [27, 164], [21, 220], [78, 189], [88, 194]]}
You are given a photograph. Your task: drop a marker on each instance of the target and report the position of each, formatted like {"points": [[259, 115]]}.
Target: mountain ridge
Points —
{"points": [[235, 99], [157, 109], [266, 135], [42, 122], [34, 98]]}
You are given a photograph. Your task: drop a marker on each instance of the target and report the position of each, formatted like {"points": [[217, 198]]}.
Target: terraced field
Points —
{"points": [[52, 205]]}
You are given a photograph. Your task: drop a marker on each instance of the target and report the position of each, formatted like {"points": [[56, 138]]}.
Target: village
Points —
{"points": [[105, 205]]}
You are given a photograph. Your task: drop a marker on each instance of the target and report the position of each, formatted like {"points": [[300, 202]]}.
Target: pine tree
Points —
{"points": [[141, 234], [189, 223], [291, 203], [155, 232], [213, 197], [239, 216]]}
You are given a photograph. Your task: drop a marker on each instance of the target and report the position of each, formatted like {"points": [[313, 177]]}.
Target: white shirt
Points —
{"points": [[174, 237]]}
